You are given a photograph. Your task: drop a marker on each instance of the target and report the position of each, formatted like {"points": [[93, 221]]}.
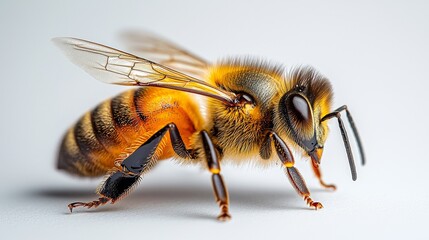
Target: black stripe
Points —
{"points": [[67, 160], [104, 130], [138, 94], [121, 112], [86, 139]]}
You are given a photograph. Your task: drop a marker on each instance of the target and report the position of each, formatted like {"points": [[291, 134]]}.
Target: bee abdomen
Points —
{"points": [[92, 145], [104, 135]]}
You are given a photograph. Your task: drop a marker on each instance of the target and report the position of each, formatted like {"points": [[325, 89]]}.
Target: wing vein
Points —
{"points": [[113, 66]]}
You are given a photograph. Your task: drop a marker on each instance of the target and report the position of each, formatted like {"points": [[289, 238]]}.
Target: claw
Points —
{"points": [[317, 205], [224, 217], [311, 203], [75, 204]]}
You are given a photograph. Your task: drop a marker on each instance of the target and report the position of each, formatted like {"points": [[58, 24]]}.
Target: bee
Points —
{"points": [[187, 109]]}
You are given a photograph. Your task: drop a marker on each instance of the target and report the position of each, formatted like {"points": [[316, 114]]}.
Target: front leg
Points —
{"points": [[288, 161], [220, 191], [318, 173]]}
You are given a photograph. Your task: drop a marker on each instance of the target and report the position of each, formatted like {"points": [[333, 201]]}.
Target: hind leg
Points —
{"points": [[120, 181], [116, 185]]}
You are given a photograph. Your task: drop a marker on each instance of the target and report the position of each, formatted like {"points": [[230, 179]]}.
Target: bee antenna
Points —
{"points": [[346, 141]]}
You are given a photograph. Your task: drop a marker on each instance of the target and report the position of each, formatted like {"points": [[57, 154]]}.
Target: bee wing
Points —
{"points": [[110, 65], [165, 53]]}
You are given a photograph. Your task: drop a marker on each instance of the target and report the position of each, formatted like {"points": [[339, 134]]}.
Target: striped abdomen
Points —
{"points": [[92, 145]]}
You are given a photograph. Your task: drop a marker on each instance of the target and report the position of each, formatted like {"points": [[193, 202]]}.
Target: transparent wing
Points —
{"points": [[110, 65], [164, 52]]}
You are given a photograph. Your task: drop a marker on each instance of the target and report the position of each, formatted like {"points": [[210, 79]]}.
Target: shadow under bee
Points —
{"points": [[182, 201]]}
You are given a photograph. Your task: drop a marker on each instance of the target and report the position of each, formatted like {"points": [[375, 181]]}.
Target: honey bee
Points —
{"points": [[247, 109]]}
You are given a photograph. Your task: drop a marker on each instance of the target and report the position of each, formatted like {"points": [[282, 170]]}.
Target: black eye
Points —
{"points": [[296, 112], [300, 106]]}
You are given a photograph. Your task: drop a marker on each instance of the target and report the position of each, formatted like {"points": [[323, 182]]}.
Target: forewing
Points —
{"points": [[110, 65], [164, 52]]}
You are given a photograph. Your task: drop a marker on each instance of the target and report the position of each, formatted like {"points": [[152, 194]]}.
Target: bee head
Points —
{"points": [[300, 109]]}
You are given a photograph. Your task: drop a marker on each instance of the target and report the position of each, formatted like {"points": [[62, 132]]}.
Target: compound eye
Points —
{"points": [[301, 108], [300, 116]]}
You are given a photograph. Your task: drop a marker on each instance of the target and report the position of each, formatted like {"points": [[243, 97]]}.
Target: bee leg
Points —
{"points": [[116, 185], [121, 180], [220, 191], [318, 173], [293, 174], [300, 186], [96, 203]]}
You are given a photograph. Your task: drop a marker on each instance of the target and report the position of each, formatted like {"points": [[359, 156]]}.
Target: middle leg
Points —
{"points": [[220, 191]]}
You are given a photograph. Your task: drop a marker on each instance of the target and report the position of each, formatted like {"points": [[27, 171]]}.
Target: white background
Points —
{"points": [[374, 52]]}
